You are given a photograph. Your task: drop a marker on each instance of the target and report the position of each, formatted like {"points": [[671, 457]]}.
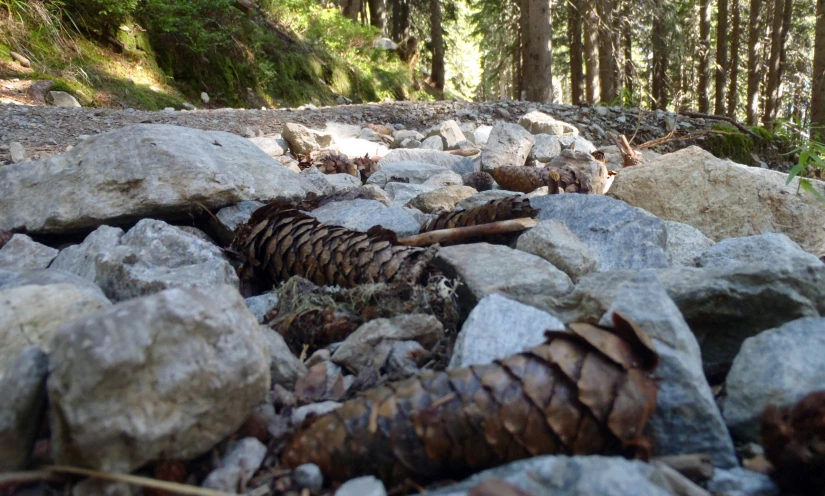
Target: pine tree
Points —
{"points": [[538, 52], [704, 55], [438, 44], [733, 91], [574, 35], [754, 60], [591, 51], [818, 86], [721, 55]]}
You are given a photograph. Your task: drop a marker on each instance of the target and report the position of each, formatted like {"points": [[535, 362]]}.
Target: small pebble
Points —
{"points": [[308, 476], [362, 486]]}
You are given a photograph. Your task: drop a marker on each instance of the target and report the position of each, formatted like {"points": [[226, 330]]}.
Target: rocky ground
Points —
{"points": [[137, 337]]}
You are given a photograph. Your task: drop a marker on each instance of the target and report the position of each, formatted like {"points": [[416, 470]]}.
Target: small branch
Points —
{"points": [[697, 115], [458, 234], [696, 467], [629, 156], [28, 477], [467, 152], [681, 485], [172, 487]]}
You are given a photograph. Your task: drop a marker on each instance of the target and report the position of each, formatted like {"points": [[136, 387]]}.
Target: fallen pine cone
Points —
{"points": [[527, 179], [279, 241], [587, 390], [794, 442], [513, 207]]}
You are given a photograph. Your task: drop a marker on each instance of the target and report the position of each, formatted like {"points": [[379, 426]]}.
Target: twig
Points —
{"points": [[673, 137], [26, 477], [173, 487], [461, 233], [697, 115], [696, 467], [681, 485], [467, 152]]}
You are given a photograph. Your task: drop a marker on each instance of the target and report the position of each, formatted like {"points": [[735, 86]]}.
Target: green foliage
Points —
{"points": [[101, 15], [730, 143], [810, 155]]}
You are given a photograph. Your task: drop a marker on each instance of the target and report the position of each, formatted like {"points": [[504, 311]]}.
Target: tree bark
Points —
{"points": [[629, 70], [722, 27], [400, 20], [574, 38], [378, 14], [591, 51], [818, 80], [438, 44], [351, 9], [538, 52], [659, 35], [754, 62], [608, 66], [704, 55], [779, 32], [733, 90]]}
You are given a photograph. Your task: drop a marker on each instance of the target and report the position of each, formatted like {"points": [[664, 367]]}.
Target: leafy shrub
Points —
{"points": [[101, 15]]}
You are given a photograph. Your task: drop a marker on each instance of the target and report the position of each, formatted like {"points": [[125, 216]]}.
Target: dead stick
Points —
{"points": [[725, 118], [27, 477], [467, 152], [681, 485], [461, 233], [697, 467]]}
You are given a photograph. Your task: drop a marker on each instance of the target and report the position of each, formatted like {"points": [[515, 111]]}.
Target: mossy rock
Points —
{"points": [[730, 143]]}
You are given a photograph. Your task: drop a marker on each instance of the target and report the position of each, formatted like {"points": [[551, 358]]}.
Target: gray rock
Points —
{"points": [[284, 367], [304, 140], [722, 306], [318, 179], [433, 143], [481, 134], [480, 181], [483, 197], [361, 215], [241, 461], [313, 409], [30, 315], [271, 145], [539, 123], [685, 243], [577, 143], [497, 328], [82, 259], [147, 170], [547, 148], [586, 163], [554, 242], [385, 44], [23, 389], [406, 135], [204, 97], [343, 182], [402, 193], [154, 256], [308, 476], [740, 482], [572, 476], [9, 279], [401, 362], [371, 343], [509, 144], [23, 253], [261, 305], [778, 366], [63, 99], [362, 486], [414, 172], [772, 248], [485, 269], [229, 218], [623, 237], [456, 163], [167, 375], [450, 134], [441, 199], [687, 419], [448, 178], [17, 152]]}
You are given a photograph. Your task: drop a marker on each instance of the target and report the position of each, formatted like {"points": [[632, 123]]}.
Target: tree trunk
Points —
{"points": [[591, 51], [733, 97], [574, 36], [779, 32], [626, 23], [608, 66], [704, 55], [754, 62], [659, 35], [722, 27], [400, 20], [438, 44], [351, 9], [818, 86], [378, 14], [538, 52]]}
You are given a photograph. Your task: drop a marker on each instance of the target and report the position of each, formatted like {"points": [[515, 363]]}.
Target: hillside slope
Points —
{"points": [[154, 54]]}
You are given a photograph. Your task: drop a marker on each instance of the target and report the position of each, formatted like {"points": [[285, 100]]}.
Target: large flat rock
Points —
{"points": [[140, 171]]}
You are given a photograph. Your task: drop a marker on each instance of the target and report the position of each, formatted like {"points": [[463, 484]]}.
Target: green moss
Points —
{"points": [[730, 143]]}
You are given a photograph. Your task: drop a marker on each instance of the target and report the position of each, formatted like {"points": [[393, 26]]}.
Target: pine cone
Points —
{"points": [[794, 442], [336, 163], [528, 179], [587, 390], [366, 167], [280, 242], [514, 207], [481, 181]]}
